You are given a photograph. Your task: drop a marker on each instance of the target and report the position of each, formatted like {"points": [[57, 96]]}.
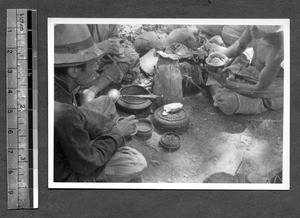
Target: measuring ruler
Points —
{"points": [[21, 109]]}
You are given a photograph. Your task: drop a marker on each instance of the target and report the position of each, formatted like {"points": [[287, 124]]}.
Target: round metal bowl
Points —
{"points": [[213, 66], [135, 126], [170, 141], [145, 129], [133, 105]]}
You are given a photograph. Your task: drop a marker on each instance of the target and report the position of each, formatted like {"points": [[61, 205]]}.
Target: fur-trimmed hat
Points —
{"points": [[73, 45]]}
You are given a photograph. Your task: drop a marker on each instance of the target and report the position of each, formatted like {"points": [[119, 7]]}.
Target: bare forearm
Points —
{"points": [[234, 50], [244, 89]]}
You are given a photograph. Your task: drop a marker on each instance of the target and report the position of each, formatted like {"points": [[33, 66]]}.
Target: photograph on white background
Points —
{"points": [[168, 103]]}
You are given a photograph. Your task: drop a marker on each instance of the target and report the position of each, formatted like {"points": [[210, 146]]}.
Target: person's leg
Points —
{"points": [[126, 165], [274, 103], [224, 99], [248, 105], [100, 114], [230, 102]]}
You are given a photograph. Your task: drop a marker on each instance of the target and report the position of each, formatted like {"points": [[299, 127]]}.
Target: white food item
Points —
{"points": [[171, 108], [217, 61]]}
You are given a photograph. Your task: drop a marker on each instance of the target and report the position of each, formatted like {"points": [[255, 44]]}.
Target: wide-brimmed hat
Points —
{"points": [[73, 45], [270, 28]]}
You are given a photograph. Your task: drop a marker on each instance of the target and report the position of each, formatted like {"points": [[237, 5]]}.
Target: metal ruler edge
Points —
{"points": [[22, 109]]}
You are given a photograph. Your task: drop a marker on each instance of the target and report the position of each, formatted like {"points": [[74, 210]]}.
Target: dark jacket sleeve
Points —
{"points": [[83, 155]]}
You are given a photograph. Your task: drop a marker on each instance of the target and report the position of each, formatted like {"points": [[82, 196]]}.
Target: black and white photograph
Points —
{"points": [[168, 103]]}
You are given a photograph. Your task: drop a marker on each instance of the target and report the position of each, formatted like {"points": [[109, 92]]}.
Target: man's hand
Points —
{"points": [[222, 76], [86, 96], [126, 126]]}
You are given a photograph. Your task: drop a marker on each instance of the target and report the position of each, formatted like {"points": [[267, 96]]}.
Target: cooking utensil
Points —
{"points": [[143, 96], [115, 94], [132, 105]]}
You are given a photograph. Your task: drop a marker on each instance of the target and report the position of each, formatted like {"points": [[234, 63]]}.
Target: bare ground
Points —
{"points": [[250, 145]]}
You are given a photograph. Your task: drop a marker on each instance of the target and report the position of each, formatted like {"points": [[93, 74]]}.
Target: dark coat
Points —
{"points": [[76, 156]]}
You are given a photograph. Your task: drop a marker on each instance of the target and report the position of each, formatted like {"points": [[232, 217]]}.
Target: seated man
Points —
{"points": [[120, 58], [88, 145], [256, 86]]}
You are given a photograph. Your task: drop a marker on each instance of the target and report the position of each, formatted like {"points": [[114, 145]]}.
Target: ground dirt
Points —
{"points": [[250, 145]]}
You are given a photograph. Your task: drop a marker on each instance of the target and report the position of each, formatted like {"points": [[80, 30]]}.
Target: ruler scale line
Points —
{"points": [[21, 108]]}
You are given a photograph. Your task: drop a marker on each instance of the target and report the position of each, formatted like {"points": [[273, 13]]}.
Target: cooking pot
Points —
{"points": [[133, 105]]}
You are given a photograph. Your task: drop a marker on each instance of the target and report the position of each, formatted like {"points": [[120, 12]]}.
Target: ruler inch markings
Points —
{"points": [[22, 183]]}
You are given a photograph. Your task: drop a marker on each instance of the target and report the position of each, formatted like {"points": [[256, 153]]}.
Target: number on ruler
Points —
{"points": [[10, 131], [10, 111], [21, 27], [9, 71], [10, 192], [11, 151], [9, 51], [10, 171]]}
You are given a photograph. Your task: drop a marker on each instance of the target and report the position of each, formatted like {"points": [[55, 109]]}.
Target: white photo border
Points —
{"points": [[285, 185]]}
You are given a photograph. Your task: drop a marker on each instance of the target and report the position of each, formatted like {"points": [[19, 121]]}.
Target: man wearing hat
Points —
{"points": [[251, 86], [88, 144]]}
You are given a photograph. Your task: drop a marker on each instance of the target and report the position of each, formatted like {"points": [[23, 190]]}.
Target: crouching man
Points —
{"points": [[251, 86], [88, 144]]}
